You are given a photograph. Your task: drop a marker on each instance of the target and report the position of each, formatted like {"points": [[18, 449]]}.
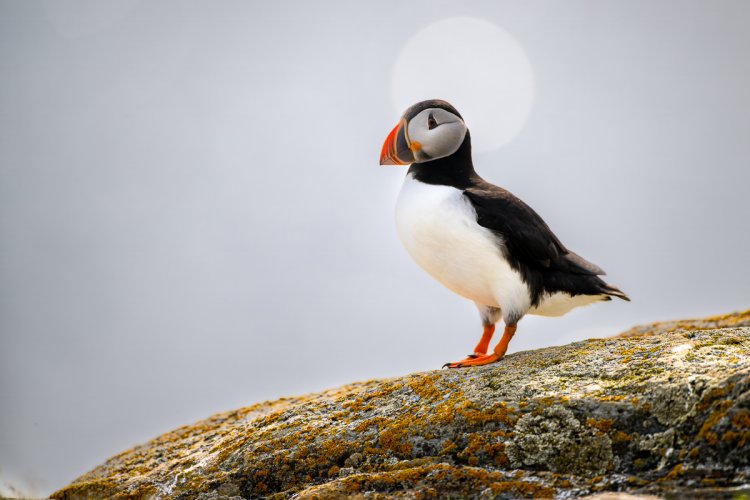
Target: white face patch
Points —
{"points": [[438, 132]]}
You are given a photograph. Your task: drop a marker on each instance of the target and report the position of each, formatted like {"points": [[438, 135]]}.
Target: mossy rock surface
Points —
{"points": [[664, 411]]}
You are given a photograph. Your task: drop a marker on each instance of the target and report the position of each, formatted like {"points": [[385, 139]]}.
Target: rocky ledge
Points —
{"points": [[662, 410]]}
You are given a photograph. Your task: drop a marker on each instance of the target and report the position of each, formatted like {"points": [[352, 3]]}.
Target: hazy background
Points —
{"points": [[193, 219]]}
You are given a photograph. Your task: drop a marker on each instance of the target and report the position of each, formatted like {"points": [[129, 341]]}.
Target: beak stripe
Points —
{"points": [[396, 148]]}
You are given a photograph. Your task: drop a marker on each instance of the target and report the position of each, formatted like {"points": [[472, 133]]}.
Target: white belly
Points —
{"points": [[438, 227], [559, 303]]}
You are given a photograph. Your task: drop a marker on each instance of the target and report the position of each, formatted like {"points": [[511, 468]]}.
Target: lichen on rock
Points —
{"points": [[656, 412], [556, 439]]}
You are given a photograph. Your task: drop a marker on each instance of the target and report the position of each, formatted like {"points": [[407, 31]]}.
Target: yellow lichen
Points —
{"points": [[741, 419], [720, 410], [604, 425], [676, 472]]}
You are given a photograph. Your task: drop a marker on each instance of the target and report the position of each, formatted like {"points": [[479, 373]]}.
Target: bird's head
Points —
{"points": [[427, 131]]}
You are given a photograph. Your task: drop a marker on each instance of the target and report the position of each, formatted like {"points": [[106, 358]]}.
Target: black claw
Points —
{"points": [[472, 356], [446, 365]]}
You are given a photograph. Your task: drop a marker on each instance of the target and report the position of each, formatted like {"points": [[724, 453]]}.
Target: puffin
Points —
{"points": [[477, 239]]}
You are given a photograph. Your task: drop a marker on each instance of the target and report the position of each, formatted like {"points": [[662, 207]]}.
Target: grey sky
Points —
{"points": [[192, 217]]}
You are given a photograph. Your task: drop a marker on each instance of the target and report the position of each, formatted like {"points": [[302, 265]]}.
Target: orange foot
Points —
{"points": [[479, 357], [474, 360]]}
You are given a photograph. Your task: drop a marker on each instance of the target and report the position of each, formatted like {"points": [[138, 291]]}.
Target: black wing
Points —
{"points": [[526, 236]]}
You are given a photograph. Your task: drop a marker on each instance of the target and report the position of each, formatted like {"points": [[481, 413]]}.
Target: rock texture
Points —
{"points": [[731, 320], [664, 410]]}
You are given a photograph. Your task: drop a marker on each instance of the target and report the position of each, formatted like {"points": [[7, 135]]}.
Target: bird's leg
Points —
{"points": [[480, 349], [502, 346], [484, 342], [497, 353]]}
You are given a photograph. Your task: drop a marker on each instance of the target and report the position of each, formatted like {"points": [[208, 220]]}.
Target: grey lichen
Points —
{"points": [[556, 440]]}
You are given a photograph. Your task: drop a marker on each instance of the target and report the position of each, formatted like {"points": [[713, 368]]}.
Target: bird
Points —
{"points": [[477, 239]]}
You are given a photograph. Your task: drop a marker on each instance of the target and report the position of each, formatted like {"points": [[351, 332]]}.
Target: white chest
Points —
{"points": [[438, 227]]}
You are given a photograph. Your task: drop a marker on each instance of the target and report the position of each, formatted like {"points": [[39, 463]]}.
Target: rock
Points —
{"points": [[731, 320], [663, 411], [554, 438]]}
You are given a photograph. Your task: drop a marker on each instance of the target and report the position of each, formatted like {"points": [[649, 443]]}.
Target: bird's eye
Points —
{"points": [[431, 122]]}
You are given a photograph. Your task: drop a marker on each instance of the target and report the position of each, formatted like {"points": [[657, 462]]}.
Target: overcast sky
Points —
{"points": [[193, 219]]}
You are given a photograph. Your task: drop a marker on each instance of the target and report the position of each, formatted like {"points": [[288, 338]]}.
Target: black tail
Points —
{"points": [[613, 291], [579, 265]]}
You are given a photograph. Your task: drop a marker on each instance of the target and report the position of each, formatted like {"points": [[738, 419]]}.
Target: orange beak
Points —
{"points": [[396, 149]]}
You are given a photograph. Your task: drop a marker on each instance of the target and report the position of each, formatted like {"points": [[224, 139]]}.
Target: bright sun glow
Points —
{"points": [[477, 67]]}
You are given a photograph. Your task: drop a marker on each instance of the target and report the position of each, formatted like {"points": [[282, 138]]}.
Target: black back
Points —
{"points": [[526, 241]]}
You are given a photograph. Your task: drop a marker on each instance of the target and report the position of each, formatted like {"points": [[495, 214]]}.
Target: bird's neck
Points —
{"points": [[456, 170]]}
